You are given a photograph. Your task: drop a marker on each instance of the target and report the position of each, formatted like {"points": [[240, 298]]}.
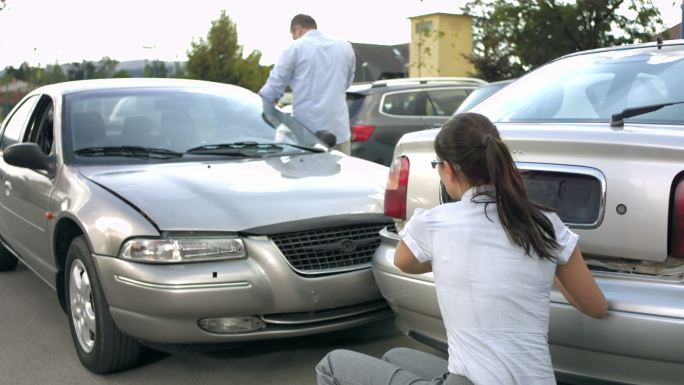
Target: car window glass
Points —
{"points": [[40, 129], [593, 87], [175, 119], [444, 102], [404, 103], [354, 102], [16, 123]]}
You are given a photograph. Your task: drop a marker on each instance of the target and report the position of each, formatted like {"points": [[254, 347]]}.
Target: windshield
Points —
{"points": [[592, 87], [164, 121], [481, 93]]}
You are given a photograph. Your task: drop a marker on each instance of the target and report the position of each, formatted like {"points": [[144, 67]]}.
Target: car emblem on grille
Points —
{"points": [[347, 245]]}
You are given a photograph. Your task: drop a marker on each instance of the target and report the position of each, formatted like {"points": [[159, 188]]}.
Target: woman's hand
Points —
{"points": [[578, 286]]}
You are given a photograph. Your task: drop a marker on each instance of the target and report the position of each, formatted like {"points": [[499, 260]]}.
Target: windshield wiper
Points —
{"points": [[132, 151], [299, 146], [618, 120], [237, 148]]}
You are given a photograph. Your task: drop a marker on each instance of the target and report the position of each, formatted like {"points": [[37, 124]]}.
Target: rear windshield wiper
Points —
{"points": [[618, 120], [236, 148], [132, 151]]}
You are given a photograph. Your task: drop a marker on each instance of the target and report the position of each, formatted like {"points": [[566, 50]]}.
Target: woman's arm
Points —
{"points": [[578, 286], [407, 262]]}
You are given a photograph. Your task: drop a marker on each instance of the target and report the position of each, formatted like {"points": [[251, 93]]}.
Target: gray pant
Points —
{"points": [[399, 366]]}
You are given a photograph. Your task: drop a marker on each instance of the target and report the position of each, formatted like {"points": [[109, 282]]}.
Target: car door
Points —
{"points": [[399, 113], [13, 128], [441, 104], [27, 192]]}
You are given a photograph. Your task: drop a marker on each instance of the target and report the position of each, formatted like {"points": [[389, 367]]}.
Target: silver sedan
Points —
{"points": [[177, 212]]}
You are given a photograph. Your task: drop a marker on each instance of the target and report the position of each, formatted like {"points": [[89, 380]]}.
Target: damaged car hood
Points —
{"points": [[230, 195]]}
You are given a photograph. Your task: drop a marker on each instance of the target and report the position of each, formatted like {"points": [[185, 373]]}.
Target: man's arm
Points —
{"points": [[352, 67], [280, 76]]}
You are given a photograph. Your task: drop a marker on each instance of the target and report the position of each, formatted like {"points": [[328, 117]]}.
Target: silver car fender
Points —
{"points": [[105, 219]]}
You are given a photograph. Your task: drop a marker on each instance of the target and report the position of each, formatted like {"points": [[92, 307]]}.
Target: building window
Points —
{"points": [[424, 27]]}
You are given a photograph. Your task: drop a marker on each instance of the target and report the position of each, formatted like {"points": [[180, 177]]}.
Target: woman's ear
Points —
{"points": [[451, 171]]}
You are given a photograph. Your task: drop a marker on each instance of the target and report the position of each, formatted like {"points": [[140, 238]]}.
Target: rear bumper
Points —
{"points": [[164, 303], [640, 341]]}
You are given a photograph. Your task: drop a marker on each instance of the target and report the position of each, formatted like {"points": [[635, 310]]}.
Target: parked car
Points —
{"points": [[209, 216], [481, 93], [381, 112], [599, 137]]}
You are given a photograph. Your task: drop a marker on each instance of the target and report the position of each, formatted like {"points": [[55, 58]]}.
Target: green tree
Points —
{"points": [[219, 58], [121, 74], [53, 73], [106, 68], [83, 70], [155, 70], [513, 37]]}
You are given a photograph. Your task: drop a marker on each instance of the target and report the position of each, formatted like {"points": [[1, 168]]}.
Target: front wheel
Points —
{"points": [[7, 260], [101, 346]]}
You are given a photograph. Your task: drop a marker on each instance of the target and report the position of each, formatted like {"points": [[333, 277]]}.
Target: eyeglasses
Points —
{"points": [[435, 163]]}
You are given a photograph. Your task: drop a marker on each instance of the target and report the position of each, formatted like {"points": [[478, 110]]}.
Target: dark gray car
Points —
{"points": [[381, 112]]}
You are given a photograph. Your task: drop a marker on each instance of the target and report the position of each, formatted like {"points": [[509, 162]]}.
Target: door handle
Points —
{"points": [[437, 125], [8, 188]]}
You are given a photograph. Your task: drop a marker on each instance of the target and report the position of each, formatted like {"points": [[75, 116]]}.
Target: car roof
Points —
{"points": [[121, 83], [385, 85], [665, 43]]}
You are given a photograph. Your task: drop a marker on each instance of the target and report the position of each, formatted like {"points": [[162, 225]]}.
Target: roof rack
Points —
{"points": [[426, 80]]}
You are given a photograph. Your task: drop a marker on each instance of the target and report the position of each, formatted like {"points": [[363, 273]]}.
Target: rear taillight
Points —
{"points": [[361, 132], [397, 184], [677, 234]]}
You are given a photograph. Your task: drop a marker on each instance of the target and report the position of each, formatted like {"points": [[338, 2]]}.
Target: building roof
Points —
{"points": [[674, 32], [437, 13]]}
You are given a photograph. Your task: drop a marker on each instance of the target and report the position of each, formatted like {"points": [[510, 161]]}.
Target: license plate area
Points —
{"points": [[576, 193]]}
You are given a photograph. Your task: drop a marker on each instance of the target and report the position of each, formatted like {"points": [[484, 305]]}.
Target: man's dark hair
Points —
{"points": [[304, 21]]}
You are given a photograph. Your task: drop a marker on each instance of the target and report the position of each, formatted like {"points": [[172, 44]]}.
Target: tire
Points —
{"points": [[102, 348], [7, 260]]}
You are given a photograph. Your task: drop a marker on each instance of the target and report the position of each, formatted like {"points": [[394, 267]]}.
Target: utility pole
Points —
{"points": [[154, 61]]}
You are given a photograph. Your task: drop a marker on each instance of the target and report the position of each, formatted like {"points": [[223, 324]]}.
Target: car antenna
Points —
{"points": [[659, 42]]}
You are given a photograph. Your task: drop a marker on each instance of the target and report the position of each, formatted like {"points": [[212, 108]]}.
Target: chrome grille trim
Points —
{"points": [[330, 250]]}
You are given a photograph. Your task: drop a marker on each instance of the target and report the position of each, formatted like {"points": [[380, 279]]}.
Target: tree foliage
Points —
{"points": [[513, 37], [219, 58]]}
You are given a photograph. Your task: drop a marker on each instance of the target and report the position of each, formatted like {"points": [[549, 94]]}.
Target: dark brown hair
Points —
{"points": [[472, 142], [304, 21]]}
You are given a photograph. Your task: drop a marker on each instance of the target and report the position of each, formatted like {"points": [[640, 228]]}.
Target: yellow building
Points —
{"points": [[439, 42]]}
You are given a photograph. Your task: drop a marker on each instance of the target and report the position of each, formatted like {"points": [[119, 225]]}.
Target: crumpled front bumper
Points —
{"points": [[164, 303]]}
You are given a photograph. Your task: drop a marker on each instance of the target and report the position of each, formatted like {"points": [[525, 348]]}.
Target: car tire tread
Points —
{"points": [[113, 350]]}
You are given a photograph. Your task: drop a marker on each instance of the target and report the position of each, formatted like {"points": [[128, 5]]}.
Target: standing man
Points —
{"points": [[319, 70]]}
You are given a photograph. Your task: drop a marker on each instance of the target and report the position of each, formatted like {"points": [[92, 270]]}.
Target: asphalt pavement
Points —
{"points": [[36, 348]]}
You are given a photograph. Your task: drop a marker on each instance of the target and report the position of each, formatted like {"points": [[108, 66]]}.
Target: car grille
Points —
{"points": [[329, 250]]}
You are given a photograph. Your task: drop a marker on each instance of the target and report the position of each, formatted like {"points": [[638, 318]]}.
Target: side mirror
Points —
{"points": [[28, 155], [327, 137]]}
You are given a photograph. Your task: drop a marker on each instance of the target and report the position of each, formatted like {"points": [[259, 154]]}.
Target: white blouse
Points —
{"points": [[493, 297]]}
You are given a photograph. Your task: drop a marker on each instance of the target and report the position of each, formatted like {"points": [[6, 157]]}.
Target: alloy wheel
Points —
{"points": [[82, 308]]}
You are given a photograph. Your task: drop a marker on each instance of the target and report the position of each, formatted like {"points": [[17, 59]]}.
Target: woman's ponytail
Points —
{"points": [[472, 141]]}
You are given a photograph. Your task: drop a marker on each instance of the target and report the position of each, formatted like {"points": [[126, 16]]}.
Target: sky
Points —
{"points": [[47, 31]]}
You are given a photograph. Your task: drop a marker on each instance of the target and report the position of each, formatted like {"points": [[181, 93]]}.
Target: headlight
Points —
{"points": [[182, 250]]}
